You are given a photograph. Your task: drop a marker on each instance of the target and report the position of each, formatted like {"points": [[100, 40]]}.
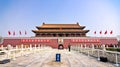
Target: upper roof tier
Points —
{"points": [[60, 26]]}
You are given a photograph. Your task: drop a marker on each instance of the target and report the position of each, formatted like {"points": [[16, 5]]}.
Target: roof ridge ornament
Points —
{"points": [[77, 23], [43, 23]]}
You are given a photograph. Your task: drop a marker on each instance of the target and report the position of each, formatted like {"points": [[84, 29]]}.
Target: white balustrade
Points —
{"points": [[98, 53]]}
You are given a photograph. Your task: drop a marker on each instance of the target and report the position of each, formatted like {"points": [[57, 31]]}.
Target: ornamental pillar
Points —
{"points": [[40, 34], [56, 34], [70, 34], [51, 35], [75, 34], [64, 34]]}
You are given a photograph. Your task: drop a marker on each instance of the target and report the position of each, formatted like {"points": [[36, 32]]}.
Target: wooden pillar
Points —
{"points": [[51, 34], [84, 34], [70, 34], [80, 34], [45, 34], [74, 35], [40, 34], [56, 34], [64, 34]]}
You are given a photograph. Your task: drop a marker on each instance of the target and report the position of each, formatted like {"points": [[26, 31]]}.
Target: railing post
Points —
{"points": [[78, 48], [88, 53], [8, 54], [85, 46], [21, 49], [30, 47], [81, 47], [104, 50], [35, 48], [14, 55], [92, 48], [39, 46], [98, 55], [2, 47], [116, 58]]}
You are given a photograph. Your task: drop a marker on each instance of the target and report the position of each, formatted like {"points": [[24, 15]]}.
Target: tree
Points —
{"points": [[1, 39]]}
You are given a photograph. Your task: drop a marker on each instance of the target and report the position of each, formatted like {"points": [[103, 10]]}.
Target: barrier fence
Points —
{"points": [[13, 53], [112, 56]]}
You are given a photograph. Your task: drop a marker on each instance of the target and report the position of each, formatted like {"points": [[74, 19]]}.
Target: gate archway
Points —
{"points": [[60, 46]]}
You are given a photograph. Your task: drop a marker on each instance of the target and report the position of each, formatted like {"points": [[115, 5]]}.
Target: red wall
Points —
{"points": [[54, 42], [13, 42]]}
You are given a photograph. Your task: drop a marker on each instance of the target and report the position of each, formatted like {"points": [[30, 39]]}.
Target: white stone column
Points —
{"points": [[14, 55], [93, 48], [114, 45], [2, 47], [21, 49], [26, 50], [16, 47], [116, 57], [98, 54], [71, 48], [117, 46], [35, 46], [88, 53], [85, 46], [75, 47], [30, 47], [106, 46], [8, 52], [104, 49], [38, 46], [35, 49], [25, 47], [81, 48]]}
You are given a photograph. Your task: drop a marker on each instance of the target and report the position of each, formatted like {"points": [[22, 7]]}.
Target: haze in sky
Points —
{"points": [[24, 15]]}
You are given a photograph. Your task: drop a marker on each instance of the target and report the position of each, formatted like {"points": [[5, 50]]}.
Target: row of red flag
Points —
{"points": [[14, 33], [106, 32]]}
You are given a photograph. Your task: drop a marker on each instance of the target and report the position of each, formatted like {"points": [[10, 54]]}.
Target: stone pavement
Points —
{"points": [[46, 58]]}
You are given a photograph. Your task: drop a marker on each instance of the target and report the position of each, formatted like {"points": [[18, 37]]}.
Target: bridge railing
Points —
{"points": [[112, 56], [17, 52]]}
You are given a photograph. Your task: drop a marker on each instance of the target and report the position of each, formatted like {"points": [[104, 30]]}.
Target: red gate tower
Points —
{"points": [[60, 30]]}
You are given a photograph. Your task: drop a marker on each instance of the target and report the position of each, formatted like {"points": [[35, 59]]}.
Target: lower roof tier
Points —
{"points": [[60, 31]]}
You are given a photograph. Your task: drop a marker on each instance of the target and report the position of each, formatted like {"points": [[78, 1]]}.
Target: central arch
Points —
{"points": [[60, 46]]}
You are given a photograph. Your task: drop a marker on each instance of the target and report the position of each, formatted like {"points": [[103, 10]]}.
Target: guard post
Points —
{"points": [[58, 57]]}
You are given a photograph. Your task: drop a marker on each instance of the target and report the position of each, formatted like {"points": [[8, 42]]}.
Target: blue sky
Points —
{"points": [[23, 15]]}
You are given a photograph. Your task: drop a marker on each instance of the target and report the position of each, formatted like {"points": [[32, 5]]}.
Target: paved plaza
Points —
{"points": [[46, 58]]}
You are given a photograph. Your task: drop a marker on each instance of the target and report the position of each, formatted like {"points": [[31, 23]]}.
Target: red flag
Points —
{"points": [[14, 33], [20, 33], [25, 33], [95, 32], [105, 32], [111, 32], [100, 32], [9, 33]]}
